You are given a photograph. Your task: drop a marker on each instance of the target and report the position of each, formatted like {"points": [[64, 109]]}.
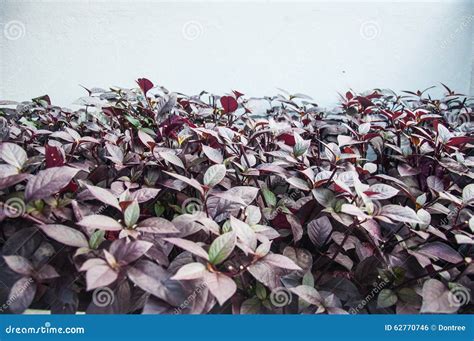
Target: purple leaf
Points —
{"points": [[220, 286], [22, 294], [100, 222], [48, 182], [281, 261], [19, 264], [65, 235], [319, 231], [100, 275], [104, 196], [442, 251], [157, 225], [189, 246]]}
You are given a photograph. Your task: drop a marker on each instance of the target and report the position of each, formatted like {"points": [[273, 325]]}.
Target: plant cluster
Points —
{"points": [[226, 204]]}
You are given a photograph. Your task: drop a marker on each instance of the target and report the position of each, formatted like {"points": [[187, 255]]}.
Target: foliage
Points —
{"points": [[208, 204]]}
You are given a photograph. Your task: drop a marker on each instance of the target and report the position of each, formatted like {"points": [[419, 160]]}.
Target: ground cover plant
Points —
{"points": [[149, 201]]}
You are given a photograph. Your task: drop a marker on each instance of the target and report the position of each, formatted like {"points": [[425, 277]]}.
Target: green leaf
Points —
{"points": [[386, 298], [221, 248], [270, 198], [308, 279], [96, 239], [159, 209], [260, 291], [133, 121], [131, 214]]}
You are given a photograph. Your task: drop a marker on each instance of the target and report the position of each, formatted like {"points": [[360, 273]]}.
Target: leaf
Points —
{"points": [[324, 196], [65, 235], [189, 246], [157, 225], [100, 222], [96, 239], [382, 192], [145, 85], [281, 261], [229, 104], [190, 271], [126, 252], [214, 175], [21, 295], [244, 232], [213, 154], [53, 156], [250, 306], [19, 264], [386, 298], [190, 182], [301, 146], [468, 194], [400, 213], [436, 298], [48, 182], [270, 198], [149, 277], [220, 286], [319, 231], [131, 214], [13, 154], [296, 228], [435, 183], [308, 294], [104, 196], [100, 275], [144, 194], [12, 180], [222, 247], [171, 158], [442, 251]]}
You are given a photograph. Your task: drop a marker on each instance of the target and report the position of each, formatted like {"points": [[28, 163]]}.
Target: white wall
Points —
{"points": [[316, 47]]}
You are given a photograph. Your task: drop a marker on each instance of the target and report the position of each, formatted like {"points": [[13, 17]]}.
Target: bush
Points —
{"points": [[146, 201]]}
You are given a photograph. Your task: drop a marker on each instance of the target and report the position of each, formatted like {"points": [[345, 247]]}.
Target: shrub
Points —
{"points": [[148, 201]]}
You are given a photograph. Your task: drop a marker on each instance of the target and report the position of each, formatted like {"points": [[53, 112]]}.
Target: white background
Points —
{"points": [[317, 48]]}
